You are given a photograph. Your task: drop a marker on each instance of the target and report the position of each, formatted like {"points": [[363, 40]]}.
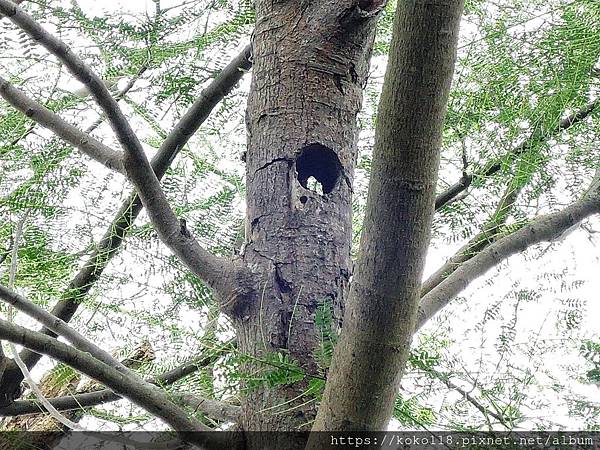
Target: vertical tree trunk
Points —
{"points": [[310, 68], [383, 299]]}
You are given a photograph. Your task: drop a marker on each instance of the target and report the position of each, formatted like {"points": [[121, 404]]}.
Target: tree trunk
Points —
{"points": [[382, 304], [310, 68]]}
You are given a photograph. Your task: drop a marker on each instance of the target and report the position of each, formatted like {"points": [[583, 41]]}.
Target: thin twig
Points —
{"points": [[450, 195]]}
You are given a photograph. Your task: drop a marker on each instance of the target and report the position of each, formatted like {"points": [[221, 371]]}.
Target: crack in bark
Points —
{"points": [[270, 258], [289, 161]]}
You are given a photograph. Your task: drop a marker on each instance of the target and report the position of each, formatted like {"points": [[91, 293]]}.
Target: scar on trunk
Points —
{"points": [[318, 168]]}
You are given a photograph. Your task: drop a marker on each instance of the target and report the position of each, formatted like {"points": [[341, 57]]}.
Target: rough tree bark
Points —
{"points": [[310, 67]]}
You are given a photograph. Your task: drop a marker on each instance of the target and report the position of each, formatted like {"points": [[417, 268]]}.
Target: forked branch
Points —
{"points": [[112, 239], [202, 263], [148, 397]]}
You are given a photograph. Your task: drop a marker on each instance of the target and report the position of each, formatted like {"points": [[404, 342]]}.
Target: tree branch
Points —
{"points": [[214, 409], [201, 108], [69, 133], [488, 234], [490, 230], [89, 399], [468, 397], [202, 263], [543, 228], [118, 96], [59, 327], [59, 381], [147, 396], [112, 239], [448, 196], [16, 2], [382, 303]]}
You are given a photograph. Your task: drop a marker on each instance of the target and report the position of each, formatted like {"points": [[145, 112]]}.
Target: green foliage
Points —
{"points": [[325, 326], [409, 413], [270, 370], [428, 353], [62, 375], [316, 387], [591, 352], [522, 67]]}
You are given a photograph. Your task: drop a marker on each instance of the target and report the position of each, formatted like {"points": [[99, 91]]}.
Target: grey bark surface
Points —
{"points": [[310, 68], [382, 304]]}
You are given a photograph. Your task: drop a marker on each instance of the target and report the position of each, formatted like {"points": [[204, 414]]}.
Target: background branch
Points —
{"points": [[60, 327], [202, 263], [62, 380], [148, 397], [543, 228], [452, 193], [468, 397]]}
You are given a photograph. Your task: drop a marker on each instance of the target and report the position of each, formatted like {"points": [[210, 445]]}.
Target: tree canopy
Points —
{"points": [[512, 344]]}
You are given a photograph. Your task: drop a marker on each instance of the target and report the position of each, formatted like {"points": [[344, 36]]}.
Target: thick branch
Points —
{"points": [[139, 171], [89, 399], [214, 409], [130, 209], [450, 194], [382, 303], [71, 134], [149, 397], [544, 228], [60, 327]]}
